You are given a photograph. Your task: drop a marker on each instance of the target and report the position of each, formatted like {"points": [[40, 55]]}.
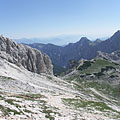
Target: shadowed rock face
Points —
{"points": [[30, 58]]}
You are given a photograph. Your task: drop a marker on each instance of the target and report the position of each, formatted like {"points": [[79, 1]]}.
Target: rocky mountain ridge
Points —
{"points": [[84, 48], [25, 56]]}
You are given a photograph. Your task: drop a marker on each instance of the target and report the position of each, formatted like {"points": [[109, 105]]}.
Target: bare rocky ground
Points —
{"points": [[29, 96]]}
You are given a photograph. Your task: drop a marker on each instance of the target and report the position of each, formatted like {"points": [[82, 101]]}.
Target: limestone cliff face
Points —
{"points": [[30, 58]]}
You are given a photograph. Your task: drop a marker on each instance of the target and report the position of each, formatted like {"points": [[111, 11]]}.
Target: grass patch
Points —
{"points": [[85, 65], [48, 112], [78, 103], [7, 111], [28, 111], [97, 65], [111, 90], [6, 78], [30, 96], [11, 101]]}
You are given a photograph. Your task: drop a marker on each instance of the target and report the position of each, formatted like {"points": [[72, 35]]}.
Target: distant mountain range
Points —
{"points": [[84, 48], [61, 40]]}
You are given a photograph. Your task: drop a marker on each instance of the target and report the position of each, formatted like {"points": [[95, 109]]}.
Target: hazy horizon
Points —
{"points": [[50, 19], [59, 40]]}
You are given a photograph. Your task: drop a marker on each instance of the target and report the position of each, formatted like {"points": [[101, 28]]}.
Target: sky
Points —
{"points": [[48, 18]]}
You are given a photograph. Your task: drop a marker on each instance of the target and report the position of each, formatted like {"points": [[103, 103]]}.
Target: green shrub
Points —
{"points": [[85, 65]]}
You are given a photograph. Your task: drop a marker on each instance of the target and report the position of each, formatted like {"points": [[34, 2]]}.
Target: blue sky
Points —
{"points": [[47, 18]]}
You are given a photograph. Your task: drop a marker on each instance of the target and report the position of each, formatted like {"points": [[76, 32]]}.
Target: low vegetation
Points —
{"points": [[7, 111], [85, 65], [98, 65], [90, 105]]}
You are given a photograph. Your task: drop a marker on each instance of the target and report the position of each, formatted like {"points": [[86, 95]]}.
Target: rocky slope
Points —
{"points": [[21, 55], [84, 48], [101, 72], [25, 95], [114, 56]]}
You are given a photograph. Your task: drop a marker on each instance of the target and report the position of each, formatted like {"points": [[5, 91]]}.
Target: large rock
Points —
{"points": [[30, 58]]}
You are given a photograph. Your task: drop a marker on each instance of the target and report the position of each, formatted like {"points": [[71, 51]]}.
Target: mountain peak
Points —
{"points": [[116, 34], [84, 40], [118, 31], [2, 37]]}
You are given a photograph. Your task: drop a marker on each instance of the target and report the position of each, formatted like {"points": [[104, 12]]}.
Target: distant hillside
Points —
{"points": [[102, 72], [84, 48]]}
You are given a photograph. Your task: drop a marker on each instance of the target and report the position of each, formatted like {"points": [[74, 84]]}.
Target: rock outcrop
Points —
{"points": [[22, 55], [114, 56]]}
